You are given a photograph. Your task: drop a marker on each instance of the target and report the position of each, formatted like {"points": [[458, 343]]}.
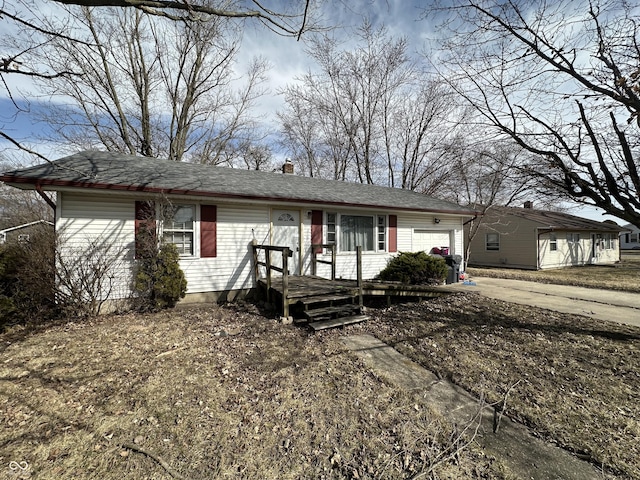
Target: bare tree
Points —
{"points": [[149, 88], [368, 114], [27, 28], [286, 22], [485, 175], [561, 79]]}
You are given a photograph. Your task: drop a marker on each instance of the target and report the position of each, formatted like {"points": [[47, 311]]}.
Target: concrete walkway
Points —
{"points": [[513, 445], [621, 307]]}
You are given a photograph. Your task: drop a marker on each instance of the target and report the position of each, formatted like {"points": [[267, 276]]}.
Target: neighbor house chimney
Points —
{"points": [[287, 167], [528, 204]]}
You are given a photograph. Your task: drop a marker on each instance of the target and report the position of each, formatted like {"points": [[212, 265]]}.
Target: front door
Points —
{"points": [[286, 233]]}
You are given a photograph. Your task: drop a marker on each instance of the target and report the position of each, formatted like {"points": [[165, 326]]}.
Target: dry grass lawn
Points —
{"points": [[224, 392], [575, 381], [624, 276], [211, 392]]}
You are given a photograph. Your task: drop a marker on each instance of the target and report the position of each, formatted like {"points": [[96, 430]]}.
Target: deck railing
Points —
{"points": [[270, 267], [315, 260], [318, 247], [286, 253]]}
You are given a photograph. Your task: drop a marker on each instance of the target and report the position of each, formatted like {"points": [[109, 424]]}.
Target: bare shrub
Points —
{"points": [[27, 278], [87, 276]]}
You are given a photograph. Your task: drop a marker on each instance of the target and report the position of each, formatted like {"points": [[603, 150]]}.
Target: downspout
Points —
{"points": [[538, 248]]}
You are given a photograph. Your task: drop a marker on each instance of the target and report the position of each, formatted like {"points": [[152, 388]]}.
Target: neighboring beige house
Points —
{"points": [[536, 239], [22, 233]]}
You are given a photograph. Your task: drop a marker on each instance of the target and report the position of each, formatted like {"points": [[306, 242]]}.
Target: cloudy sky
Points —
{"points": [[288, 58], [286, 55]]}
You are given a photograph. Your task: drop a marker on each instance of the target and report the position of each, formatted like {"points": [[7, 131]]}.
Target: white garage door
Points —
{"points": [[427, 240]]}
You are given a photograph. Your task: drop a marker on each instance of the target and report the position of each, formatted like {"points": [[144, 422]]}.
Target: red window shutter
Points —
{"points": [[316, 229], [393, 233], [208, 231], [145, 228]]}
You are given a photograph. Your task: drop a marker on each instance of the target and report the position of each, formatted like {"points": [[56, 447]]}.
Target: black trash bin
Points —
{"points": [[453, 272]]}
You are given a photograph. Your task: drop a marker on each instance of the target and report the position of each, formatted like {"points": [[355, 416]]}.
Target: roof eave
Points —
{"points": [[22, 182]]}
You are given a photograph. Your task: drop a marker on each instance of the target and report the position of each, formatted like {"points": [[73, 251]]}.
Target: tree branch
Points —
{"points": [[159, 8]]}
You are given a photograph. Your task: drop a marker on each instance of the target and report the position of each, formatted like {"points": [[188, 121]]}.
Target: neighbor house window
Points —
{"points": [[573, 237], [178, 227], [356, 230], [382, 232], [553, 242], [493, 241], [609, 241], [634, 238]]}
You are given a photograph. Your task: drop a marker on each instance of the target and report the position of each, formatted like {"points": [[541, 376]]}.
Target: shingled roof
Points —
{"points": [[558, 220], [118, 172]]}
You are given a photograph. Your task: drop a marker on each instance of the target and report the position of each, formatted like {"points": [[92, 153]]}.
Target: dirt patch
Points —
{"points": [[211, 392], [574, 381]]}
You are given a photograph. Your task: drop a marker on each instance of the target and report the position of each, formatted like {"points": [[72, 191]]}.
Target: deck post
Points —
{"points": [[256, 267], [333, 261], [359, 274], [314, 260], [285, 282], [267, 258]]}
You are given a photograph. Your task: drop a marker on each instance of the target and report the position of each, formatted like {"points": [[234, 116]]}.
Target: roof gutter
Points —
{"points": [[21, 182]]}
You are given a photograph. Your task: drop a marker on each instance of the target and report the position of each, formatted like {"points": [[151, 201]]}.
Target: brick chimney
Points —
{"points": [[528, 204], [287, 167]]}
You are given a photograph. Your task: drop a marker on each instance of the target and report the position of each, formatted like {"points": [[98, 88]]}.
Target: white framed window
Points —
{"points": [[356, 230], [492, 241], [348, 231], [634, 238], [331, 228], [553, 242], [178, 227], [382, 233], [573, 238], [609, 241]]}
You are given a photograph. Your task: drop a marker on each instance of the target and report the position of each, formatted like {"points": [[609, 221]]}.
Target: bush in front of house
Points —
{"points": [[160, 282], [27, 280], [415, 268]]}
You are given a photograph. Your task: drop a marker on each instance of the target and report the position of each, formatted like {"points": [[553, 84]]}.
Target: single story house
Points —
{"points": [[213, 214], [533, 239], [22, 233], [630, 240]]}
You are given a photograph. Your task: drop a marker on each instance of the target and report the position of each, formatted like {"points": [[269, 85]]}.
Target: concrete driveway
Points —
{"points": [[621, 307]]}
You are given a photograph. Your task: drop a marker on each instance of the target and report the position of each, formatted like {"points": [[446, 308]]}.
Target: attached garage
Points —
{"points": [[429, 239]]}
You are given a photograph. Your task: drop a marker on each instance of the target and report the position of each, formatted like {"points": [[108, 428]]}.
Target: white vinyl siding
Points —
{"points": [[103, 225], [110, 221], [232, 268]]}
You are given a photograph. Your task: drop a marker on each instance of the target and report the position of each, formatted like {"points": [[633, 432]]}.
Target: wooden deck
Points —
{"points": [[301, 287], [324, 303]]}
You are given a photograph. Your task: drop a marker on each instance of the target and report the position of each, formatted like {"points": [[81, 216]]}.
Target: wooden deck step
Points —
{"points": [[325, 298], [338, 322], [336, 310]]}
